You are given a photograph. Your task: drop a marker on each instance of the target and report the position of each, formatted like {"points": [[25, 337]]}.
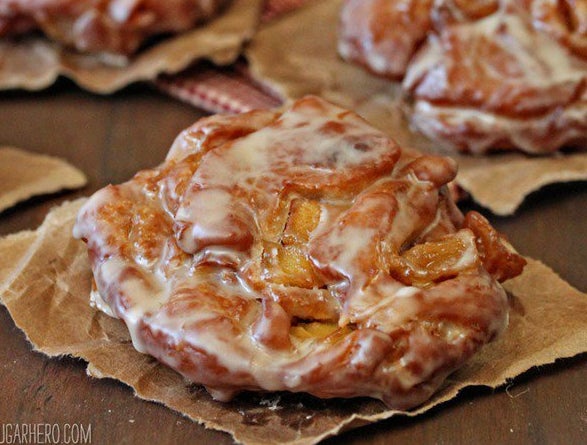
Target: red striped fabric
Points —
{"points": [[226, 90], [218, 90]]}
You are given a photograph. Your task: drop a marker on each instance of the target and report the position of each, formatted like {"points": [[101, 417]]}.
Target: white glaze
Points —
{"points": [[544, 69], [183, 296]]}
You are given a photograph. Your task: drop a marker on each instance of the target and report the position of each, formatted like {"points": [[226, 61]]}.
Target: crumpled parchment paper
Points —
{"points": [[45, 282], [24, 174]]}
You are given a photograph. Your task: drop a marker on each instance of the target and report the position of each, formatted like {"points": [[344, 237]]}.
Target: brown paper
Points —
{"points": [[45, 284], [35, 63], [311, 66], [24, 175], [501, 182]]}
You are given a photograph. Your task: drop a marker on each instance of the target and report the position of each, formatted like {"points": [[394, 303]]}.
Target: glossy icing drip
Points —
{"points": [[479, 75], [496, 82], [283, 252]]}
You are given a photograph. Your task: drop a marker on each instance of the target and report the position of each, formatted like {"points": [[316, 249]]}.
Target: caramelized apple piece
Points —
{"points": [[498, 256], [289, 265], [427, 263], [329, 332], [303, 218]]}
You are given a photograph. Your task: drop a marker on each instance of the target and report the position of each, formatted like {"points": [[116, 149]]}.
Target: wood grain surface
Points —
{"points": [[110, 138]]}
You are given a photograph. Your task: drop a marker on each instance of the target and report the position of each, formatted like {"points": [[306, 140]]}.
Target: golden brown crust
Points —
{"points": [[565, 20], [109, 26], [299, 251], [485, 74], [383, 35]]}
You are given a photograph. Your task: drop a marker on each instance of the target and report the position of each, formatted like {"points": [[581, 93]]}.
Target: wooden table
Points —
{"points": [[110, 138]]}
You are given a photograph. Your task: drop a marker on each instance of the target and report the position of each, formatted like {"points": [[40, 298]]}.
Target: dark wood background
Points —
{"points": [[110, 138]]}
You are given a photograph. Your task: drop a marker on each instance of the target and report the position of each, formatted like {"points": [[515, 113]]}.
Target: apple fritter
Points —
{"points": [[479, 75], [104, 26], [302, 251]]}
